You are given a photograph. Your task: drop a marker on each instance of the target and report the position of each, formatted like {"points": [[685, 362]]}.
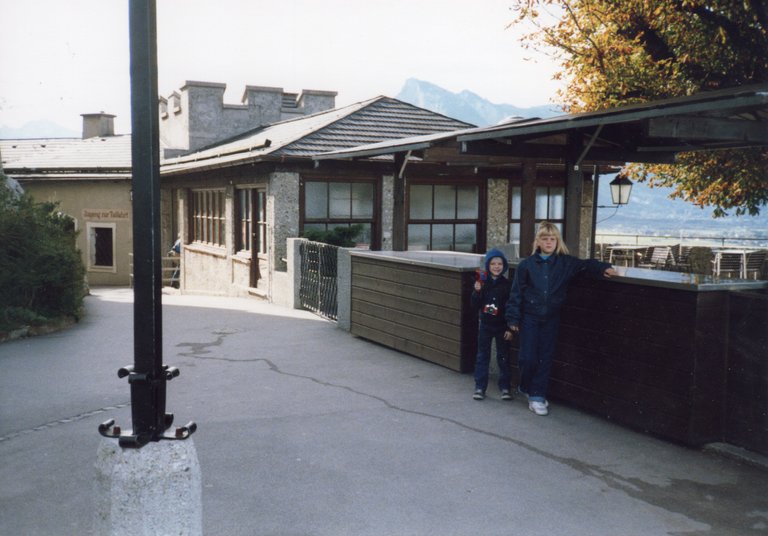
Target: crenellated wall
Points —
{"points": [[196, 115]]}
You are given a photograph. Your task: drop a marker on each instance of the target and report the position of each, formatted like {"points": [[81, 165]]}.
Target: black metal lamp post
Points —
{"points": [[147, 376]]}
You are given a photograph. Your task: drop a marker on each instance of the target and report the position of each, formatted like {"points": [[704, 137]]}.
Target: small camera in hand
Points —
{"points": [[491, 309]]}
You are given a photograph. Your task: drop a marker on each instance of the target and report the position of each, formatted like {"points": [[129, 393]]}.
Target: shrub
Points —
{"points": [[338, 236], [41, 271]]}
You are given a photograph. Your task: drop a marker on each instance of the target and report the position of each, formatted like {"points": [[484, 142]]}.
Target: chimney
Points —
{"points": [[97, 125]]}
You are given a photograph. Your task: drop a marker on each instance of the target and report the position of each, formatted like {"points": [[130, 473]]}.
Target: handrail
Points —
{"points": [[686, 240], [169, 265]]}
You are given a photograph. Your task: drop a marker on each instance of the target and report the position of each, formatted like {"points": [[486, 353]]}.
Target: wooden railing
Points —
{"points": [[685, 240], [170, 265]]}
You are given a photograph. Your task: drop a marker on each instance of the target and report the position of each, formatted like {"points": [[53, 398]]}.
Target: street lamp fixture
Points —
{"points": [[621, 188]]}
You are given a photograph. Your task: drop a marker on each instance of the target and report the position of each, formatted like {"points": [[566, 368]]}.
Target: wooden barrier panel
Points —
{"points": [[746, 408], [421, 310]]}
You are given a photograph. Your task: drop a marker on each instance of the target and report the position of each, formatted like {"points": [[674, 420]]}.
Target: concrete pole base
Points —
{"points": [[152, 491]]}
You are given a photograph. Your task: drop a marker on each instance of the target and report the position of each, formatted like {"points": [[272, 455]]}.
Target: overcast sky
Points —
{"points": [[61, 58]]}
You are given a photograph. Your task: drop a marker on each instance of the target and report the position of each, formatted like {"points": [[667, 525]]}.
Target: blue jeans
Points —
{"points": [[484, 337], [538, 339]]}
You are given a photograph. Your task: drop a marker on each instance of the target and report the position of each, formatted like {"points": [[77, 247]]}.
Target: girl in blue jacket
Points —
{"points": [[533, 309], [489, 298]]}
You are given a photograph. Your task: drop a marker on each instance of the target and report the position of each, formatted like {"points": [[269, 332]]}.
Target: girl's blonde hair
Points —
{"points": [[549, 228]]}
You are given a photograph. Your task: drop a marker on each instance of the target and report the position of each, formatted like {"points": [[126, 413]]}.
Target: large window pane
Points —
{"points": [[442, 237], [421, 202], [542, 203], [316, 200], [364, 238], [418, 237], [340, 202], [514, 233], [467, 202], [315, 227], [445, 202], [516, 202], [556, 203], [465, 237], [362, 200]]}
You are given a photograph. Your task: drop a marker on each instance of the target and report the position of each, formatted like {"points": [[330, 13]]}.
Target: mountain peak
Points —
{"points": [[465, 105]]}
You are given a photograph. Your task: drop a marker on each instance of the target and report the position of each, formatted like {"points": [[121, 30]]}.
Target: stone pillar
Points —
{"points": [[344, 289], [152, 491], [387, 211], [498, 208]]}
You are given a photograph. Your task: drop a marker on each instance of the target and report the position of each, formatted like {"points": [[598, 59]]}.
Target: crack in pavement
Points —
{"points": [[59, 422]]}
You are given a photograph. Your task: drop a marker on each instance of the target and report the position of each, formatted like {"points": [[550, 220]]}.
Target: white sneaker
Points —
{"points": [[539, 408]]}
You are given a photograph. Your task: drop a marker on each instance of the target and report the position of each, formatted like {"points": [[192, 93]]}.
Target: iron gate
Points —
{"points": [[317, 290]]}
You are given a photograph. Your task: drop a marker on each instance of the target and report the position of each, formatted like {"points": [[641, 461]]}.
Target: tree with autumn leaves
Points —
{"points": [[619, 52]]}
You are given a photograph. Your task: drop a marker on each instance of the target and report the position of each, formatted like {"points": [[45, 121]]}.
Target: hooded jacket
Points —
{"points": [[491, 301]]}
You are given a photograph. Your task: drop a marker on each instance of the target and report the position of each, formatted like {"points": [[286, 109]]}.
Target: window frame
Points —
{"points": [[245, 224], [478, 221], [329, 222], [207, 213], [91, 239]]}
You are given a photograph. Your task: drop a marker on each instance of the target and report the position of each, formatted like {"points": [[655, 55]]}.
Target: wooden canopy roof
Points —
{"points": [[649, 132]]}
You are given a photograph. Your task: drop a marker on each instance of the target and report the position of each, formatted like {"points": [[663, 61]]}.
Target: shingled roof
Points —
{"points": [[108, 155], [374, 120]]}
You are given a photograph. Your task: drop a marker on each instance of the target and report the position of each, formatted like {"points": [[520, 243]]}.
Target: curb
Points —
{"points": [[738, 454], [32, 331]]}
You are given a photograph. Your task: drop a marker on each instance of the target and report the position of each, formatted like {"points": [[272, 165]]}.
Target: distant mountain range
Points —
{"points": [[466, 106], [37, 129]]}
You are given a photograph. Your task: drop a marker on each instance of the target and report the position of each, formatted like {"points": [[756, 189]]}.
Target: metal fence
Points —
{"points": [[319, 268]]}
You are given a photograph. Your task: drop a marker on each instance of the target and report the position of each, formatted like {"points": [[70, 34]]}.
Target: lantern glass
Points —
{"points": [[621, 188]]}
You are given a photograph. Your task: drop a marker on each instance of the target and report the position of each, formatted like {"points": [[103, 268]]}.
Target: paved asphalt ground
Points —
{"points": [[307, 430]]}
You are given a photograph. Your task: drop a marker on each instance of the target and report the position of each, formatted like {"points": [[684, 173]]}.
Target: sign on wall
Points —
{"points": [[105, 214]]}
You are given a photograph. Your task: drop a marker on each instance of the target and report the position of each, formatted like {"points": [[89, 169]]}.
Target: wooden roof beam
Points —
{"points": [[708, 129]]}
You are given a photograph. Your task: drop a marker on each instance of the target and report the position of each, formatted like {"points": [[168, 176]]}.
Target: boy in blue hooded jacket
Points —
{"points": [[489, 298]]}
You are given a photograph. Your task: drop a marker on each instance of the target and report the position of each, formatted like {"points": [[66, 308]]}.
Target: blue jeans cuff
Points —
{"points": [[536, 399]]}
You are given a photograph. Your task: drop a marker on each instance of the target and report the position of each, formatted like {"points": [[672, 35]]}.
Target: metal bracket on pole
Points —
{"points": [[133, 440]]}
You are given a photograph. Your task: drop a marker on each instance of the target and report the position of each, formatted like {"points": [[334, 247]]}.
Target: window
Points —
{"points": [[550, 205], [341, 204], [515, 214], [443, 217], [251, 232], [101, 246], [208, 223]]}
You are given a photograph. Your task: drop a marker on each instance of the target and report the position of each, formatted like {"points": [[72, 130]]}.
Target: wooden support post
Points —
{"points": [[528, 208], [573, 192]]}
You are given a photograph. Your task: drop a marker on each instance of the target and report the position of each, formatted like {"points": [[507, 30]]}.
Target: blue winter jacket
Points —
{"points": [[491, 301], [540, 285]]}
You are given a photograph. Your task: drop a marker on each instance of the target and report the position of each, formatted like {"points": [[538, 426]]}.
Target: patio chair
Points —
{"points": [[755, 264], [680, 258], [656, 257], [728, 265]]}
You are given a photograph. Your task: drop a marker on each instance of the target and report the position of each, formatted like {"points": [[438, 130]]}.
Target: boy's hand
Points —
{"points": [[478, 286], [508, 335]]}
